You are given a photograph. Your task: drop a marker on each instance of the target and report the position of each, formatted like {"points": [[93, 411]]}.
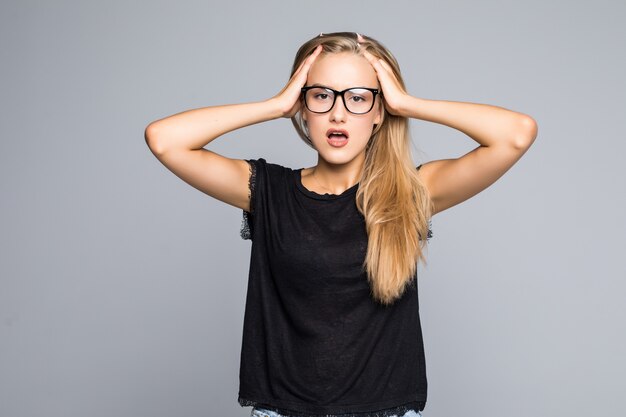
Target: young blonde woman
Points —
{"points": [[331, 325]]}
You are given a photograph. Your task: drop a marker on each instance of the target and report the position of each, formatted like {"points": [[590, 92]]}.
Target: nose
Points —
{"points": [[338, 112]]}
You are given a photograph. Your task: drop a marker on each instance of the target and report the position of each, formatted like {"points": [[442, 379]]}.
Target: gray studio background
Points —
{"points": [[122, 288]]}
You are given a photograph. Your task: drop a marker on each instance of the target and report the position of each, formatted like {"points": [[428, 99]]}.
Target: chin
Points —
{"points": [[339, 155], [339, 158]]}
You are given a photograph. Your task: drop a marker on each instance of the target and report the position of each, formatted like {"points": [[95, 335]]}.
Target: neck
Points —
{"points": [[336, 179]]}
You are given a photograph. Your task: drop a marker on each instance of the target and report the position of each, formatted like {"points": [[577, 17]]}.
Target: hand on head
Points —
{"points": [[289, 97], [393, 92]]}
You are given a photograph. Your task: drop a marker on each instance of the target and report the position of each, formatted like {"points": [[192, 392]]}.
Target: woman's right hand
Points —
{"points": [[178, 141], [288, 99]]}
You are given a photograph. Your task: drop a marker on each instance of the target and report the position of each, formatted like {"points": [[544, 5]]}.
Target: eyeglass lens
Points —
{"points": [[356, 100]]}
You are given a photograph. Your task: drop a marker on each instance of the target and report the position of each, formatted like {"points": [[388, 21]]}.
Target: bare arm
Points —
{"points": [[503, 137], [178, 141]]}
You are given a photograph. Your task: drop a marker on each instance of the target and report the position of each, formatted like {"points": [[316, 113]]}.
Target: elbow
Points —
{"points": [[151, 137], [526, 133]]}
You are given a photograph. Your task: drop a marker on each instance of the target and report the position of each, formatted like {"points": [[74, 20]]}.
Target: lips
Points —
{"points": [[337, 137], [337, 134]]}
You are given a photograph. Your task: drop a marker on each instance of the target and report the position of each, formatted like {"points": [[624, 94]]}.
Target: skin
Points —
{"points": [[502, 135], [338, 169]]}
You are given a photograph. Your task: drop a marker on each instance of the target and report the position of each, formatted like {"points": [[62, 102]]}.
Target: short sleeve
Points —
{"points": [[246, 223], [429, 235]]}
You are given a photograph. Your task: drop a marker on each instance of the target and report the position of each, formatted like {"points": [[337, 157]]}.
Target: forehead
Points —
{"points": [[341, 71]]}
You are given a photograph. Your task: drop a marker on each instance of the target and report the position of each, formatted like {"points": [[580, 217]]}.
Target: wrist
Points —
{"points": [[275, 109], [409, 106]]}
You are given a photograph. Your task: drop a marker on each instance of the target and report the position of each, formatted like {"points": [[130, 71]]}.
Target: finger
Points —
{"points": [[303, 73], [381, 66], [311, 58], [298, 69], [306, 64], [386, 65], [390, 71], [368, 56], [377, 63]]}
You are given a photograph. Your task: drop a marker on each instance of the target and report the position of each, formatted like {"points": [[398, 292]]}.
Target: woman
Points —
{"points": [[332, 319]]}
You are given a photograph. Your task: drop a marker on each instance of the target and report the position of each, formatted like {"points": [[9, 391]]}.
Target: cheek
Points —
{"points": [[315, 121]]}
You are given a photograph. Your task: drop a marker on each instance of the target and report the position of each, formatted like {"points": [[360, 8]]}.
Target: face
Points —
{"points": [[339, 72]]}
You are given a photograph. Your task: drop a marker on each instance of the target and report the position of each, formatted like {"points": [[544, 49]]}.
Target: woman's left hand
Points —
{"points": [[393, 93]]}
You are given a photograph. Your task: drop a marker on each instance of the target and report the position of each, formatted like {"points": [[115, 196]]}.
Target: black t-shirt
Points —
{"points": [[314, 340]]}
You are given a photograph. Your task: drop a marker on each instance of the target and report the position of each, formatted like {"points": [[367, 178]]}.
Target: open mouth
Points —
{"points": [[337, 137]]}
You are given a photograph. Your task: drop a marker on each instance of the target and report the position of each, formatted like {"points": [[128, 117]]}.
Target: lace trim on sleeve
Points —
{"points": [[429, 233], [246, 229]]}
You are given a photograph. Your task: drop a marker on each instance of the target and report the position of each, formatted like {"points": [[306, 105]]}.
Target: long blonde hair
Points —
{"points": [[394, 202]]}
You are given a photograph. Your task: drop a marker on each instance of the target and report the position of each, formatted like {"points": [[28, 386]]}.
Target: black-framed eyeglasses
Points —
{"points": [[357, 100]]}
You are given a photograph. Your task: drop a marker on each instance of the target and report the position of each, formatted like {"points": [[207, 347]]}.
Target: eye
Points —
{"points": [[359, 96], [320, 94], [359, 99]]}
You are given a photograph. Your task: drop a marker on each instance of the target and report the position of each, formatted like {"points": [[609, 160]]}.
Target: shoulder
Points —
{"points": [[262, 163], [263, 172]]}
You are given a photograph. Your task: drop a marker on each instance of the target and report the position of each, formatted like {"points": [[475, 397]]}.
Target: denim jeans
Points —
{"points": [[260, 412]]}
